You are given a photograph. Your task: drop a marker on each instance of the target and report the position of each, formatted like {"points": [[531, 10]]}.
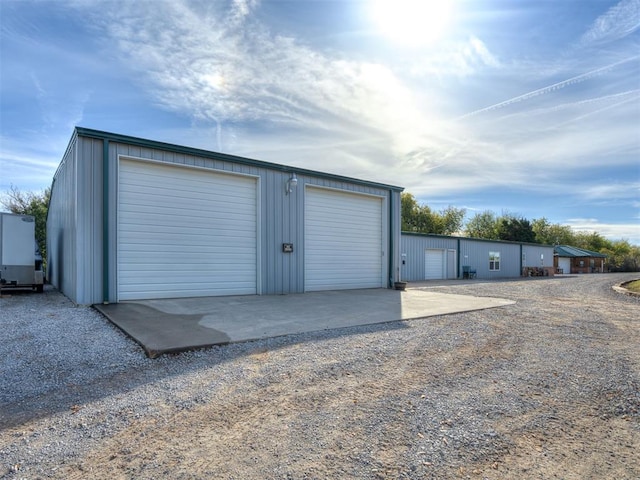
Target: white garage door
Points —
{"points": [[564, 264], [185, 232], [343, 240], [434, 264]]}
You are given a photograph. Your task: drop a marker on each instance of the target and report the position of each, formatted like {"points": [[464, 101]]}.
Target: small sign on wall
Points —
{"points": [[287, 247]]}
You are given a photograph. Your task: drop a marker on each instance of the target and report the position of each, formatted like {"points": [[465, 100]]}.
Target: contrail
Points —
{"points": [[608, 107], [565, 106], [550, 88]]}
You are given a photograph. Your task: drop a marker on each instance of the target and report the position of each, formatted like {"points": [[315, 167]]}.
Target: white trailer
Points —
{"points": [[20, 260]]}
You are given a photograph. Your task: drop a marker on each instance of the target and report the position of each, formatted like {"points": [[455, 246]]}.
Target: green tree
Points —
{"points": [[622, 256], [552, 233], [514, 229], [591, 241], [409, 212], [421, 219], [482, 225], [30, 203], [631, 259], [452, 219]]}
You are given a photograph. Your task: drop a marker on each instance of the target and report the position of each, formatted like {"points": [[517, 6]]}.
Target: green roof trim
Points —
{"points": [[145, 143], [574, 252]]}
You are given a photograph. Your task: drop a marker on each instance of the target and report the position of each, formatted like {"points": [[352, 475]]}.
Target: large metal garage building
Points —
{"points": [[137, 219]]}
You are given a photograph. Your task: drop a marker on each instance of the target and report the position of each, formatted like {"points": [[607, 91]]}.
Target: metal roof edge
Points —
{"points": [[142, 142], [437, 235], [581, 252]]}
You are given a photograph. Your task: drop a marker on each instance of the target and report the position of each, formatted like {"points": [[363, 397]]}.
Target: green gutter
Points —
{"points": [[105, 221], [391, 255], [521, 265], [458, 260]]}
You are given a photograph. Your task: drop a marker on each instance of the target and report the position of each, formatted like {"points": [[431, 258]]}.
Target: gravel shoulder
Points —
{"points": [[546, 388]]}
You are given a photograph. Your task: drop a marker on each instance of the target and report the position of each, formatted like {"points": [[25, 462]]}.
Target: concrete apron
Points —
{"points": [[175, 325]]}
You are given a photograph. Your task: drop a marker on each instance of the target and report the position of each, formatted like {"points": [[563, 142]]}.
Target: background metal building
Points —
{"points": [[432, 257], [157, 220]]}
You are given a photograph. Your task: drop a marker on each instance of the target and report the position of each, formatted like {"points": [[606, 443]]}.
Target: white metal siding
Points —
{"points": [[185, 232], [343, 240], [434, 264]]}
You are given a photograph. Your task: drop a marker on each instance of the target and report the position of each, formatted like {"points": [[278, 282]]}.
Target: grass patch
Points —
{"points": [[633, 286]]}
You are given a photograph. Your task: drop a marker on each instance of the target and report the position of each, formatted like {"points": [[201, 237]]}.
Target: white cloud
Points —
{"points": [[457, 59], [27, 168], [242, 8], [611, 231], [618, 22], [614, 192], [214, 70], [222, 67]]}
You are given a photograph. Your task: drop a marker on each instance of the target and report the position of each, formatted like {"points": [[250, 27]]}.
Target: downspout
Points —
{"points": [[391, 254], [105, 221], [458, 260], [521, 265]]}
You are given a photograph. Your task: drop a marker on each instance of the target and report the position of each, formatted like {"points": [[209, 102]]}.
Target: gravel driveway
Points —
{"points": [[546, 388]]}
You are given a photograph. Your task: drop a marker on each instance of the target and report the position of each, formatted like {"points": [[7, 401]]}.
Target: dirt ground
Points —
{"points": [[546, 388]]}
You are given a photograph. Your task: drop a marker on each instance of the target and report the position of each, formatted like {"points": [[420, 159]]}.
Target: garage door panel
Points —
{"points": [[185, 175], [185, 232], [187, 291], [189, 261], [182, 278], [168, 232], [168, 196], [434, 264], [343, 240], [241, 248], [195, 213]]}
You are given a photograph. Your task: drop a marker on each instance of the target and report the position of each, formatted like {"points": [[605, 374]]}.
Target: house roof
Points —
{"points": [[569, 251]]}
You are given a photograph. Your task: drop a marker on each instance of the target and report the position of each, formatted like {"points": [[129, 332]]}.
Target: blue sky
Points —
{"points": [[526, 107]]}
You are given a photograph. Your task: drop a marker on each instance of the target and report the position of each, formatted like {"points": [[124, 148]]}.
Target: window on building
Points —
{"points": [[494, 260]]}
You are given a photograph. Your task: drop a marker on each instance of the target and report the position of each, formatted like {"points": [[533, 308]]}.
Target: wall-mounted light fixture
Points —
{"points": [[291, 184]]}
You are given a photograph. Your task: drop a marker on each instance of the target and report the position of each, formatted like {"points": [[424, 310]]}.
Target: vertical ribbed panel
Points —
{"points": [[532, 256], [475, 253], [89, 220], [62, 226]]}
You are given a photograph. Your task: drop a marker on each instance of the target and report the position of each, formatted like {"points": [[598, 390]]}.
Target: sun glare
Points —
{"points": [[412, 22]]}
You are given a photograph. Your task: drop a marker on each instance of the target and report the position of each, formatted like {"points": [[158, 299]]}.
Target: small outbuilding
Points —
{"points": [[578, 260], [436, 257], [133, 219]]}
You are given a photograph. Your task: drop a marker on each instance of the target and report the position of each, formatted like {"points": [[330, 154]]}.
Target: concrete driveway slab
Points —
{"points": [[173, 325]]}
